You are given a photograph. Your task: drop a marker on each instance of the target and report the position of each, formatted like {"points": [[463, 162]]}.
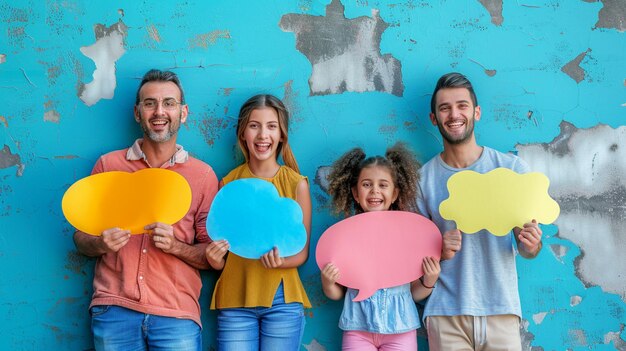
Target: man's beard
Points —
{"points": [[160, 137]]}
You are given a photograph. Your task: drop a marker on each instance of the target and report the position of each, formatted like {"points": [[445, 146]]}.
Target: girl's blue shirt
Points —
{"points": [[388, 311]]}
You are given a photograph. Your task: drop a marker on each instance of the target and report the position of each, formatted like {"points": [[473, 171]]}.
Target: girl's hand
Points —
{"points": [[330, 275], [215, 253], [272, 259], [431, 271]]}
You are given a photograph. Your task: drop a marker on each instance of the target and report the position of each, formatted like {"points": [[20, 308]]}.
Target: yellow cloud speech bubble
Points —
{"points": [[126, 200], [498, 201]]}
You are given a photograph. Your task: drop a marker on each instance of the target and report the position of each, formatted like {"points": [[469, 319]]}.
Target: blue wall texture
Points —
{"points": [[550, 77]]}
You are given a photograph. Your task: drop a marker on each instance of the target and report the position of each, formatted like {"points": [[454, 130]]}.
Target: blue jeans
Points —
{"points": [[279, 327], [117, 328]]}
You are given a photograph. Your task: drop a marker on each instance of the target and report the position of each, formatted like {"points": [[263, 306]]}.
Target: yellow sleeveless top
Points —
{"points": [[245, 282]]}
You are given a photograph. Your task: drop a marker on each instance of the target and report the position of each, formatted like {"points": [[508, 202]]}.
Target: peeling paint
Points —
{"points": [[207, 39], [3, 58], [4, 121], [612, 15], [559, 251], [213, 127], [314, 346], [573, 69], [321, 177], [575, 300], [153, 32], [489, 72], [226, 91], [538, 317], [495, 10], [52, 116], [591, 198], [614, 337], [345, 53], [109, 47], [7, 159], [578, 337], [76, 262], [527, 337]]}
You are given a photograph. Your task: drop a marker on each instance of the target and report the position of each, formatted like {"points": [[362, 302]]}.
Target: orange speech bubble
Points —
{"points": [[126, 200]]}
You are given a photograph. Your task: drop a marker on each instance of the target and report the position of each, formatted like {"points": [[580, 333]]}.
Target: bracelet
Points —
{"points": [[424, 285]]}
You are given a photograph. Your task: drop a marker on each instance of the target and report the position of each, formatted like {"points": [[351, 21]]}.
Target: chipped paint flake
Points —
{"points": [[3, 58], [109, 47], [559, 251], [314, 346], [612, 15], [573, 68], [495, 10], [154, 33], [321, 177], [7, 159], [614, 337], [51, 116], [345, 53], [575, 300], [207, 39], [538, 317], [4, 121], [586, 169]]}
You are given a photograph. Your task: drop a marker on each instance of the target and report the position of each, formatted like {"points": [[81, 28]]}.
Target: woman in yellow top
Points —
{"points": [[261, 302]]}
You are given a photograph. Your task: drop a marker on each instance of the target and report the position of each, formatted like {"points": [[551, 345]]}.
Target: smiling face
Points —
{"points": [[375, 190], [262, 135], [160, 124], [455, 114]]}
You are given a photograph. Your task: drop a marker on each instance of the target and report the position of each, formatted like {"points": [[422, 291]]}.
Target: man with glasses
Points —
{"points": [[146, 287]]}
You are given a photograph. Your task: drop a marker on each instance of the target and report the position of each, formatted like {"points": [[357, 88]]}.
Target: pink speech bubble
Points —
{"points": [[381, 249]]}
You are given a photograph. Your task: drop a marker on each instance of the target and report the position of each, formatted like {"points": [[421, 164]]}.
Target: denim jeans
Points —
{"points": [[117, 328], [279, 327]]}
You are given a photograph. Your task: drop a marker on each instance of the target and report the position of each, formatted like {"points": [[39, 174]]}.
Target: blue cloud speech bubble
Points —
{"points": [[250, 214]]}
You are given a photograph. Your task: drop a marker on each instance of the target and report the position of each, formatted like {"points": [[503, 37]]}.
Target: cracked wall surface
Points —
{"points": [[352, 74]]}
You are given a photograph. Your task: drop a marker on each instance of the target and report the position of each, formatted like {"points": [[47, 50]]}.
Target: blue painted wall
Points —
{"points": [[550, 77]]}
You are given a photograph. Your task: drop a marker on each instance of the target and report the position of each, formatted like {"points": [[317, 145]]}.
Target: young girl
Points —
{"points": [[261, 302], [388, 319]]}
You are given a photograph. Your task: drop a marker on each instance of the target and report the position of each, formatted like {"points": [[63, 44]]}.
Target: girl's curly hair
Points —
{"points": [[398, 159]]}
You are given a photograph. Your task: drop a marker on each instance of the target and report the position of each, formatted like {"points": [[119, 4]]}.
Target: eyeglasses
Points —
{"points": [[152, 104]]}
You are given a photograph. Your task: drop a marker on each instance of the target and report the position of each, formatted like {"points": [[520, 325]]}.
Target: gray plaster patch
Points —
{"points": [[586, 169], [345, 53], [573, 68], [612, 15], [575, 300], [495, 10], [107, 49]]}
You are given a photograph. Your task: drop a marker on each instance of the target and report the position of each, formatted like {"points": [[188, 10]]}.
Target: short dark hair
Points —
{"points": [[155, 75], [452, 80]]}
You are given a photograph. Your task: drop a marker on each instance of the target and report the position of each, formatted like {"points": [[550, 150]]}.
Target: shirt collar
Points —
{"points": [[135, 153]]}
